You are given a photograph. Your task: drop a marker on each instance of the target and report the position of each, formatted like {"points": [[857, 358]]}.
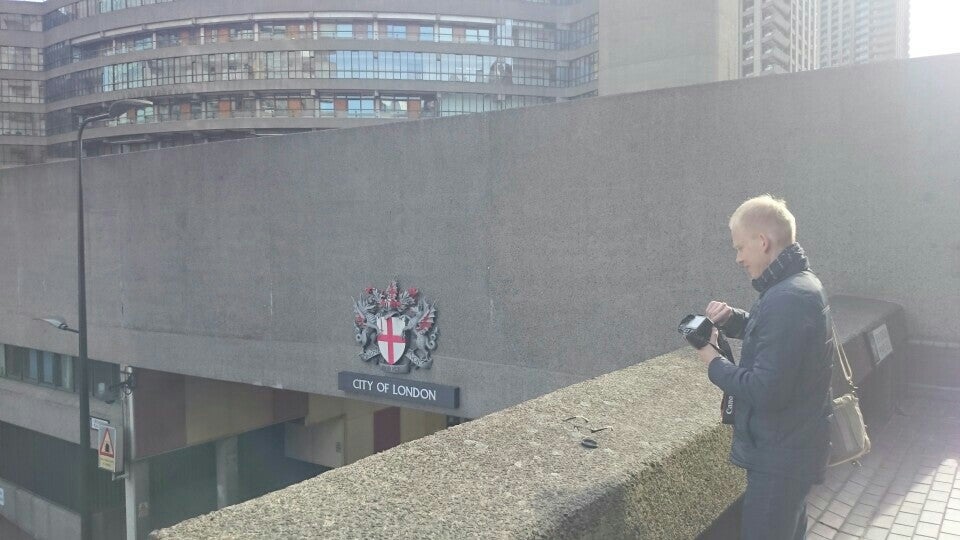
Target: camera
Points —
{"points": [[697, 329]]}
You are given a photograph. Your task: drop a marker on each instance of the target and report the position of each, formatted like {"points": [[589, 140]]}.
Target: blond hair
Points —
{"points": [[769, 216]]}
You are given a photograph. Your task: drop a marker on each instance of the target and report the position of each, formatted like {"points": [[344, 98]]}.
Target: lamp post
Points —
{"points": [[116, 109]]}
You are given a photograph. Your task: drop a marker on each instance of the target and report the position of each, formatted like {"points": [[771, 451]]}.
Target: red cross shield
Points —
{"points": [[390, 338]]}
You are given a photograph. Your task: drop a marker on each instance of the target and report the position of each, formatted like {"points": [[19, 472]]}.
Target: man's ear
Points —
{"points": [[765, 243]]}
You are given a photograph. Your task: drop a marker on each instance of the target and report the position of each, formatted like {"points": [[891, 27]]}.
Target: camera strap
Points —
{"points": [[727, 404]]}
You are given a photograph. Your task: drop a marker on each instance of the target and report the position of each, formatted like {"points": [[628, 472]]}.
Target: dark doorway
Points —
{"points": [[386, 429], [263, 467], [183, 484]]}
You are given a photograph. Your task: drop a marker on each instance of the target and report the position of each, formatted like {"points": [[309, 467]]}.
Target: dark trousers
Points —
{"points": [[774, 508]]}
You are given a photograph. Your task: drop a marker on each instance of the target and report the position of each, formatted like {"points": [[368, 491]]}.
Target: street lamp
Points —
{"points": [[116, 109], [59, 324]]}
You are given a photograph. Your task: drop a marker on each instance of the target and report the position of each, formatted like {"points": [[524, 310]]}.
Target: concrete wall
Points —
{"points": [[665, 43], [38, 517], [562, 241], [49, 411], [337, 431], [173, 411]]}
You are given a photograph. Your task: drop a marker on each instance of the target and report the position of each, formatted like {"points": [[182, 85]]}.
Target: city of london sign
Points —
{"points": [[398, 328]]}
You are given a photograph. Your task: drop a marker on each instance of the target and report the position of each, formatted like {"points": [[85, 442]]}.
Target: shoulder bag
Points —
{"points": [[848, 433]]}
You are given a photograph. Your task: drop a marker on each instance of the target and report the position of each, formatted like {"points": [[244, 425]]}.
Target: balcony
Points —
{"points": [[776, 37]]}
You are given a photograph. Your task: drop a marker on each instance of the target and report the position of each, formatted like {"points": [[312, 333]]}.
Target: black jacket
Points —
{"points": [[782, 386]]}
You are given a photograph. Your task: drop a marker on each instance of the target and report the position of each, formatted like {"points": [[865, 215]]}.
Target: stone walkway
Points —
{"points": [[907, 487]]}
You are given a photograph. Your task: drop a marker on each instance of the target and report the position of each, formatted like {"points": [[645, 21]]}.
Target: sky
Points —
{"points": [[934, 27]]}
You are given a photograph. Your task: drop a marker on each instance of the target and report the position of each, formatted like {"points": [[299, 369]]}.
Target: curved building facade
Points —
{"points": [[220, 69], [230, 69], [22, 118]]}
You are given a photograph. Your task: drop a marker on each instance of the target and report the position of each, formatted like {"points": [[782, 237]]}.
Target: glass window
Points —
{"points": [[14, 358], [49, 368], [445, 34], [270, 31], [344, 31], [326, 107], [396, 31], [66, 372], [360, 107], [426, 33], [32, 371], [241, 32]]}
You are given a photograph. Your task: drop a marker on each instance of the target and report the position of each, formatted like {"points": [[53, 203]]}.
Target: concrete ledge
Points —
{"points": [[660, 471]]}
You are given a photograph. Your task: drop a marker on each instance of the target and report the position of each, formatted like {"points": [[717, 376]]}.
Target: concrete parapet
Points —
{"points": [[660, 471]]}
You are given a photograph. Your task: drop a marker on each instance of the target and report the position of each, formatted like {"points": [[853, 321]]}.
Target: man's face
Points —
{"points": [[753, 250]]}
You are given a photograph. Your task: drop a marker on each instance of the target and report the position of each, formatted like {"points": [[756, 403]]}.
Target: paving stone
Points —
{"points": [[923, 479], [899, 488], [822, 492], [911, 508], [942, 486], [846, 498], [823, 531], [845, 536], [839, 508], [834, 483], [831, 519], [873, 500], [855, 530], [899, 528], [952, 515], [931, 517], [893, 500], [874, 533], [935, 506], [817, 502], [945, 536], [858, 520], [952, 527], [884, 522], [929, 530], [859, 479], [907, 519], [938, 496], [915, 497], [886, 509], [954, 503]]}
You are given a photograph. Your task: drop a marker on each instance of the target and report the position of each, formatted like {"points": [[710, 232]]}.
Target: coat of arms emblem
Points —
{"points": [[396, 326]]}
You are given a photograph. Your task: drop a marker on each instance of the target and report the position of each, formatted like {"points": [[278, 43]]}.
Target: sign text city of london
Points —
{"points": [[437, 395]]}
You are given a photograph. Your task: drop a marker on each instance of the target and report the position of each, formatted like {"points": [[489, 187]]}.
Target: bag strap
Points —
{"points": [[842, 360]]}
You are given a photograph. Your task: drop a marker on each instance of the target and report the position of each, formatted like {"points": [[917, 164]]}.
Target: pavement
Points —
{"points": [[907, 487]]}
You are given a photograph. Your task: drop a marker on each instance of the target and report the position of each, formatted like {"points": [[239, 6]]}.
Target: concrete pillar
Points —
{"points": [[136, 485], [228, 472]]}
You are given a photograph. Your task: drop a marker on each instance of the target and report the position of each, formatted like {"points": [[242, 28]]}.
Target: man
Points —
{"points": [[781, 389]]}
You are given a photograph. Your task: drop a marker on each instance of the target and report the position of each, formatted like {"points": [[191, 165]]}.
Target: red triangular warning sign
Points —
{"points": [[106, 445]]}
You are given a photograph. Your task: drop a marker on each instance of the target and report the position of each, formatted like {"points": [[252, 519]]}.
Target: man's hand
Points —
{"points": [[718, 312], [708, 353]]}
